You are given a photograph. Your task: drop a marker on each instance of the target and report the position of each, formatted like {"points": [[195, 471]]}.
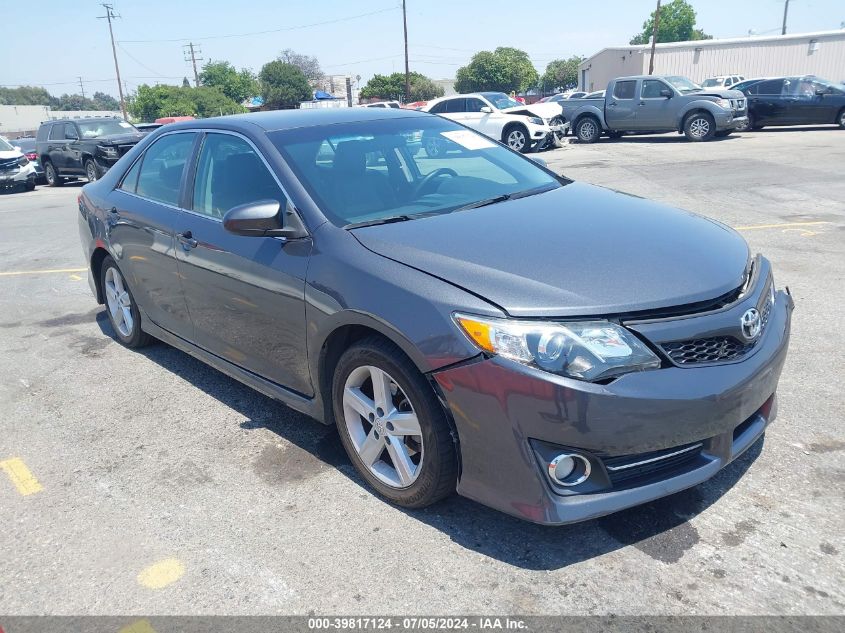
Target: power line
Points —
{"points": [[279, 30], [140, 63], [108, 16]]}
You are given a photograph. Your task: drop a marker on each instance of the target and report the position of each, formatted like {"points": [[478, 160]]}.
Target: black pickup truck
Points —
{"points": [[75, 148]]}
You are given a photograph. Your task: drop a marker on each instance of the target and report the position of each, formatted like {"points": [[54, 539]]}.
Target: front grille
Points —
{"points": [[630, 469], [8, 163], [705, 350], [738, 104]]}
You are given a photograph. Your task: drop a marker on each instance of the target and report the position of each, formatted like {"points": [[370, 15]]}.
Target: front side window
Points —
{"points": [[501, 100], [369, 172], [624, 89], [231, 173], [652, 88], [160, 175], [771, 87], [70, 131], [474, 105]]}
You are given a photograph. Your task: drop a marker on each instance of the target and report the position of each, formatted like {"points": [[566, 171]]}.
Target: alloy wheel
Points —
{"points": [[516, 140], [119, 302], [90, 171], [699, 127], [587, 129], [383, 426]]}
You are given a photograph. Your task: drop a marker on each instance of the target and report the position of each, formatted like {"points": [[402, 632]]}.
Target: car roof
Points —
{"points": [[286, 119]]}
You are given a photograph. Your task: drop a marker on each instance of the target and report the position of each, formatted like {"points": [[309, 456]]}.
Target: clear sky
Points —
{"points": [[52, 42]]}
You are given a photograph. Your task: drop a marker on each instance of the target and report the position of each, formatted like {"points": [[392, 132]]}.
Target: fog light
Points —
{"points": [[569, 469]]}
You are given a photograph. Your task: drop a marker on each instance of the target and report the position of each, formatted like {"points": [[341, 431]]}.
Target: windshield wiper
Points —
{"points": [[388, 220], [485, 202]]}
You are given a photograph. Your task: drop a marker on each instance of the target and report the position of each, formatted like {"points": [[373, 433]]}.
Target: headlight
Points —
{"points": [[23, 161], [535, 120], [108, 151], [724, 103], [587, 350]]}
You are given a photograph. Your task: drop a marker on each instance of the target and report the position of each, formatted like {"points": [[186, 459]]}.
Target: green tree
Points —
{"points": [[102, 101], [238, 85], [392, 87], [283, 85], [185, 82], [153, 102], [676, 24], [562, 74], [25, 95], [310, 66], [504, 69]]}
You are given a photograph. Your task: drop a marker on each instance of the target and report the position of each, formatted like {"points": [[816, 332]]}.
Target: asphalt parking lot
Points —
{"points": [[148, 483]]}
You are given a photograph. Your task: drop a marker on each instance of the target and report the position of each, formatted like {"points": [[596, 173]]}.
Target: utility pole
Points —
{"points": [[108, 16], [407, 72], [654, 38], [785, 11], [191, 53], [81, 88]]}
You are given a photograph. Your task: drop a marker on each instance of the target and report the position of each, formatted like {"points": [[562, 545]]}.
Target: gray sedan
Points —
{"points": [[469, 322]]}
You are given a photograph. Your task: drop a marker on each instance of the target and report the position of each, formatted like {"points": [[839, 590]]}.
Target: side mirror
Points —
{"points": [[263, 218], [665, 92], [486, 110], [17, 148], [821, 92]]}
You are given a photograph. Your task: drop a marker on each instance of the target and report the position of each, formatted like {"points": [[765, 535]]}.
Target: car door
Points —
{"points": [[56, 145], [245, 294], [72, 156], [141, 223], [767, 102], [621, 109], [654, 111], [489, 123], [807, 106]]}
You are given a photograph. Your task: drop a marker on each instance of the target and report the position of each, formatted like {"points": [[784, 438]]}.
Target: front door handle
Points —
{"points": [[187, 240]]}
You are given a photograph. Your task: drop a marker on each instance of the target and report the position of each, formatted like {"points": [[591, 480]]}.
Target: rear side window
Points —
{"points": [[57, 132], [230, 173], [160, 175], [439, 108], [624, 89], [456, 105]]}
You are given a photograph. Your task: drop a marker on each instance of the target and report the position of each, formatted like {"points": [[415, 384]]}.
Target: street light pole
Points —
{"points": [[407, 71]]}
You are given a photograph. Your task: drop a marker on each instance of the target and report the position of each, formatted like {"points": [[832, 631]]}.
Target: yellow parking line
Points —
{"points": [[24, 480], [43, 272], [162, 573], [140, 626], [778, 226], [75, 278]]}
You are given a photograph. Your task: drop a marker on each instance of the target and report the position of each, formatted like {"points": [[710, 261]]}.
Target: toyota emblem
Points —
{"points": [[751, 324]]}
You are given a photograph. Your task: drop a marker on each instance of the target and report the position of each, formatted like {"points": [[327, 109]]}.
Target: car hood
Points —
{"points": [[578, 250], [542, 110], [119, 139], [12, 153], [724, 93]]}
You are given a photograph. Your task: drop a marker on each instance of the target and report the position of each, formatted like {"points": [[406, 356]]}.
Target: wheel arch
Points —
{"points": [[695, 109], [97, 258]]}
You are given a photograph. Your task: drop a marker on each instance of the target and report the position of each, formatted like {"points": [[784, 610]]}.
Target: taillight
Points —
{"points": [[31, 155]]}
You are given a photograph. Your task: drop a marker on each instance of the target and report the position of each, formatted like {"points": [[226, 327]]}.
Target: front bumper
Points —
{"points": [[503, 410], [18, 176], [731, 120]]}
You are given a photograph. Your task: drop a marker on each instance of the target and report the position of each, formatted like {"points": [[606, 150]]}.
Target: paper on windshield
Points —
{"points": [[467, 139], [124, 124]]}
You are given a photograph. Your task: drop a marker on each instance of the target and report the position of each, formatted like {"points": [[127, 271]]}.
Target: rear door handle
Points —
{"points": [[187, 240]]}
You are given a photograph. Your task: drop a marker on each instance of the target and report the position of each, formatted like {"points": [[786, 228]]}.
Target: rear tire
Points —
{"points": [[434, 147], [51, 175], [428, 465], [699, 126], [588, 129], [121, 308]]}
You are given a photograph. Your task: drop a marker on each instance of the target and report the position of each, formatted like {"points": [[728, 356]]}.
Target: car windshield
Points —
{"points": [[710, 83], [501, 100], [106, 127], [373, 172], [683, 84], [4, 145]]}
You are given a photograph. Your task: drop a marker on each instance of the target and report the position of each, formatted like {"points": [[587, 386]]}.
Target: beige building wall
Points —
{"points": [[821, 54]]}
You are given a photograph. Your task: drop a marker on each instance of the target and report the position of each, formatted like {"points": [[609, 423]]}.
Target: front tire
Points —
{"points": [[588, 130], [51, 175], [121, 308], [91, 170], [516, 137], [840, 120], [699, 126], [434, 147], [392, 425]]}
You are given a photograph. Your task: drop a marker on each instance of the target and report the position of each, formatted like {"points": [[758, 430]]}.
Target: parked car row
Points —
{"points": [[654, 104]]}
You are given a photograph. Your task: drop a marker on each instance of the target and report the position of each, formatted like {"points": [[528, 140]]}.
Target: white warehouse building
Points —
{"points": [[821, 54]]}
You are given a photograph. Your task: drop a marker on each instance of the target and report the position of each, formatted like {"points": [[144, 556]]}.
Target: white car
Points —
{"points": [[15, 168], [381, 104], [521, 127], [722, 81]]}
